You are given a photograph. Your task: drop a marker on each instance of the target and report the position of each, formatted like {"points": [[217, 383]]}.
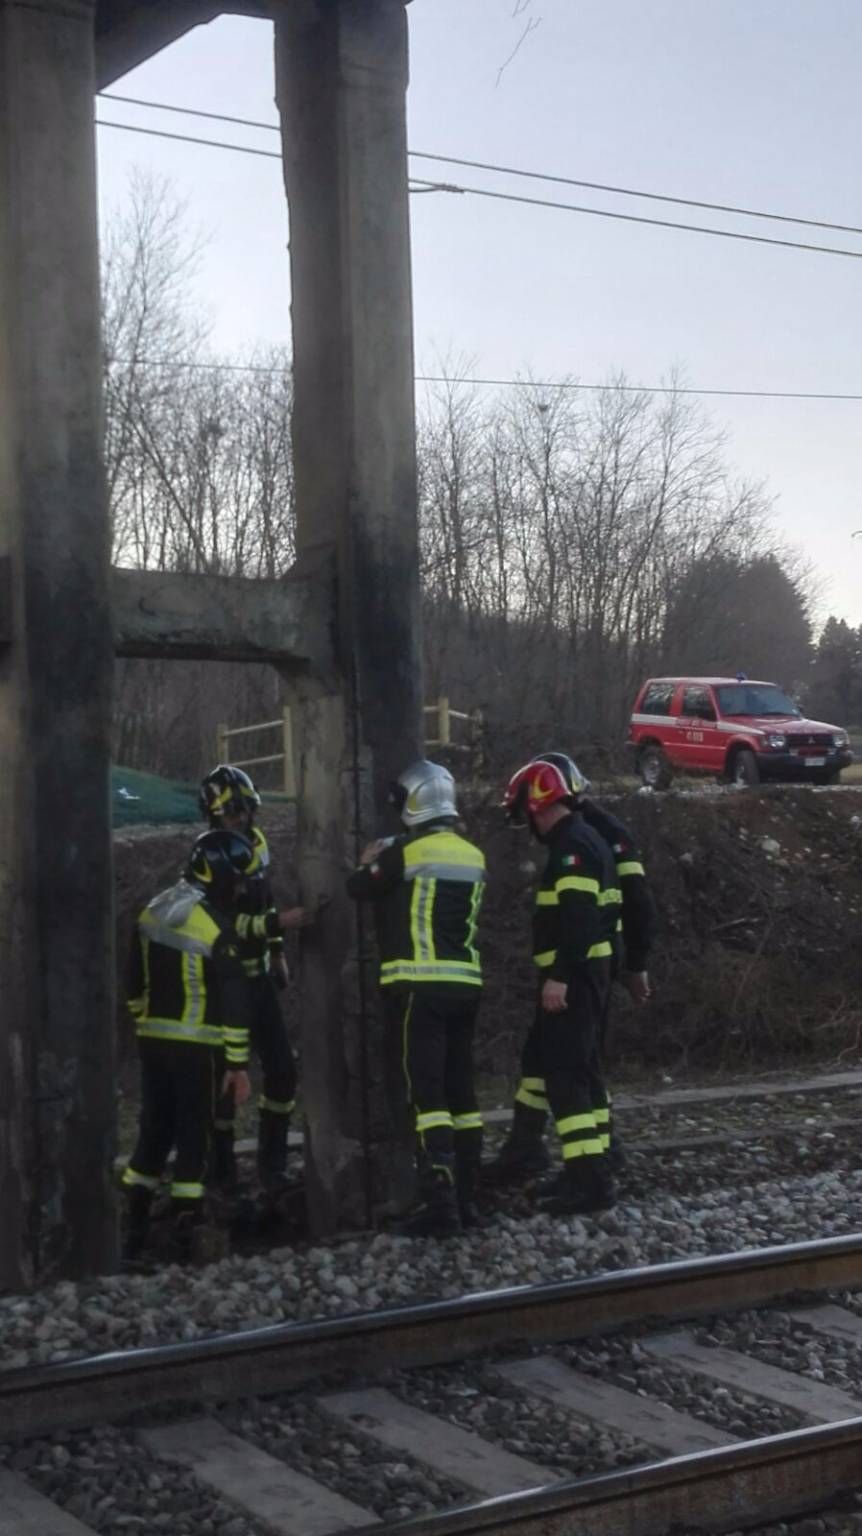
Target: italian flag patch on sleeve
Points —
{"points": [[571, 861]]}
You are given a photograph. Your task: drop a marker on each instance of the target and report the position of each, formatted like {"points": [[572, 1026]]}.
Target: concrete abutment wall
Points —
{"points": [[56, 920], [342, 76]]}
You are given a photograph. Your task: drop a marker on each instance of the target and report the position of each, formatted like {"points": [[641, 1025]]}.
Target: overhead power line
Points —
{"points": [[655, 197], [563, 384], [640, 218], [641, 389], [187, 138], [511, 197], [166, 106], [511, 170]]}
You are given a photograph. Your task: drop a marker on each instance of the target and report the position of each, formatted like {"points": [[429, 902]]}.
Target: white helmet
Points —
{"points": [[424, 792]]}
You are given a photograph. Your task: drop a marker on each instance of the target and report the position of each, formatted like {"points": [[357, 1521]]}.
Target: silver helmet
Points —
{"points": [[424, 792]]}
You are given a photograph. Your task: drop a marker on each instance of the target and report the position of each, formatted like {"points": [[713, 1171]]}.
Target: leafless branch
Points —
{"points": [[532, 24]]}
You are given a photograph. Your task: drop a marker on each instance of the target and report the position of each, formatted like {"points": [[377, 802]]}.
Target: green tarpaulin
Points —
{"points": [[140, 798]]}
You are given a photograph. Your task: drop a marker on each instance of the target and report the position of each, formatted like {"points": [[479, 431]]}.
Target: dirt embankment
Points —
{"points": [[758, 959]]}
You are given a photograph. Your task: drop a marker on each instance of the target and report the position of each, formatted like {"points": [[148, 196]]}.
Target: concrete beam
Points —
{"points": [[128, 32], [57, 1015], [223, 618]]}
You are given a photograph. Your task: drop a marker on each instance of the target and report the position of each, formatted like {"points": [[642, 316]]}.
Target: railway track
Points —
{"points": [[707, 1478]]}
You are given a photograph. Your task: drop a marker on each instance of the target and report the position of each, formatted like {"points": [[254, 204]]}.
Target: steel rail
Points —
{"points": [[709, 1491], [286, 1356]]}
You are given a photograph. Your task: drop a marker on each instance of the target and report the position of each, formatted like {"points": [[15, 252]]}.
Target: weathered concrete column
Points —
{"points": [[341, 84], [56, 1003]]}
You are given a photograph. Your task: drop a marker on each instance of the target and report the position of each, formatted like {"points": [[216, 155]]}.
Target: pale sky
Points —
{"points": [[748, 102]]}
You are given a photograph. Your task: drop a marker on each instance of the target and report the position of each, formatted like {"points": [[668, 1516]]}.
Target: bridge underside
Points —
{"points": [[128, 32]]}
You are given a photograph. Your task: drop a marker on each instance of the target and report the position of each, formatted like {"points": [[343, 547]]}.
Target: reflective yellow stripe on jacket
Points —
{"points": [[602, 951], [440, 857], [193, 942], [439, 970]]}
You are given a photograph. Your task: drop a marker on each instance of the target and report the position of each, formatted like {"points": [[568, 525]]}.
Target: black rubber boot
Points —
{"points": [[468, 1162], [272, 1150], [523, 1153], [223, 1170], [583, 1190], [188, 1219], [137, 1224], [438, 1215], [554, 1184]]}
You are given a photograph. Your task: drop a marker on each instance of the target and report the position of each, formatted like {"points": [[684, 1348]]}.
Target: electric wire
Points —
{"points": [[421, 184], [512, 170], [187, 138], [165, 106], [640, 218], [561, 384]]}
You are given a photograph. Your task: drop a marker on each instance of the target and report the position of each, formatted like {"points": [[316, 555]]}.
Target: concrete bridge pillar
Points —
{"points": [[56, 1003], [341, 70]]}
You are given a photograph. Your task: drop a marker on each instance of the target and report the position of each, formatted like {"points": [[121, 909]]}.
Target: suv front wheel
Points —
{"points": [[744, 768], [654, 769]]}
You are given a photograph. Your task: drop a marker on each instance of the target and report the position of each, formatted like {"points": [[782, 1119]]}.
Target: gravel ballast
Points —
{"points": [[107, 1480], [388, 1483], [287, 1285], [777, 1339], [623, 1361], [477, 1399]]}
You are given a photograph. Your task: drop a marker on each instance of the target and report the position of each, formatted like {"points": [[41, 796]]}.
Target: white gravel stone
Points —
{"points": [[288, 1285]]}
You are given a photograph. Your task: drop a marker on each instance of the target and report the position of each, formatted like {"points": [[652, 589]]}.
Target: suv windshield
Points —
{"points": [[754, 699]]}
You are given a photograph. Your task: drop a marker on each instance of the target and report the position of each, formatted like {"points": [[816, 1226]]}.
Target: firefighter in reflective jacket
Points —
{"points": [[228, 798], [429, 886], [189, 998], [524, 1152], [574, 926]]}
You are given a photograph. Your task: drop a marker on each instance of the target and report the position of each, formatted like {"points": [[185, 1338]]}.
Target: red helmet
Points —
{"points": [[539, 784]]}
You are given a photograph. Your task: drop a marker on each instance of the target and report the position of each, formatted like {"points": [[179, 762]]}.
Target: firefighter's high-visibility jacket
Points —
{"points": [[429, 886], [185, 979], [577, 903], [638, 913], [261, 940]]}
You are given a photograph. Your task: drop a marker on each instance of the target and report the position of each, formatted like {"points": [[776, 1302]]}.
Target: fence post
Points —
{"points": [[222, 748], [287, 745], [444, 729]]}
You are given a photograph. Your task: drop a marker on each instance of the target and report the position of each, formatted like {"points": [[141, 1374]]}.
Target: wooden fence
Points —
{"points": [[443, 711], [285, 756], [474, 744]]}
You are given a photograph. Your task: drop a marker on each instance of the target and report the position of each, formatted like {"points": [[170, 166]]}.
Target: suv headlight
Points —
{"points": [[840, 739], [775, 739]]}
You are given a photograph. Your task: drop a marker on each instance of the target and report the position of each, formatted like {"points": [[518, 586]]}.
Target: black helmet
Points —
{"points": [[218, 861], [228, 789], [578, 784]]}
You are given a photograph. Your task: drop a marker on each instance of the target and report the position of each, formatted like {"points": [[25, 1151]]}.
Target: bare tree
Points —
{"points": [[557, 527], [199, 470], [570, 541]]}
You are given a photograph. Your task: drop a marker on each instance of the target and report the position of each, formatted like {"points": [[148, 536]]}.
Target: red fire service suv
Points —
{"points": [[731, 726]]}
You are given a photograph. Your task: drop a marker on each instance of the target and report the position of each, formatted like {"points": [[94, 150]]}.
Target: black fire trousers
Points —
{"points": [[561, 1066], [438, 1022], [270, 1041], [177, 1098]]}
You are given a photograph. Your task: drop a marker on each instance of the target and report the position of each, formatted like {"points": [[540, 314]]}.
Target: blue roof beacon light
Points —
{"points": [[742, 677]]}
